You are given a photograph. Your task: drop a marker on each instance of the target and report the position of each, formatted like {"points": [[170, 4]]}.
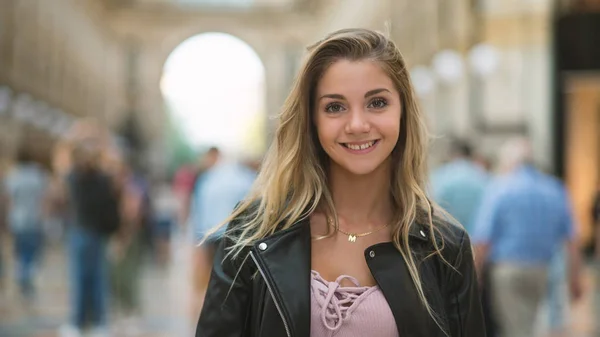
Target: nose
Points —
{"points": [[358, 122]]}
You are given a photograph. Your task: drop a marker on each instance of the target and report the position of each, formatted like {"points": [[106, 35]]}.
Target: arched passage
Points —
{"points": [[214, 89]]}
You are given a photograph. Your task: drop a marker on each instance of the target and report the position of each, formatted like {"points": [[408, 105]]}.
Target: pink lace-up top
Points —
{"points": [[349, 311]]}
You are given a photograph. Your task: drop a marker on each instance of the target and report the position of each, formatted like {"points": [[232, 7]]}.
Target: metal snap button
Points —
{"points": [[372, 254], [422, 234], [262, 246]]}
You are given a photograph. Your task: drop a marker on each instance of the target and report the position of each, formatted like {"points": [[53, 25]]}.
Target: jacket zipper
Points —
{"points": [[262, 273]]}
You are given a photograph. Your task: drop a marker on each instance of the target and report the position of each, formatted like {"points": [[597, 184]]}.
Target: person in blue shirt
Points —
{"points": [[458, 185], [524, 220], [26, 187], [218, 190]]}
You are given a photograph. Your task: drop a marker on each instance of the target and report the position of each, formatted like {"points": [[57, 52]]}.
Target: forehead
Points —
{"points": [[353, 77]]}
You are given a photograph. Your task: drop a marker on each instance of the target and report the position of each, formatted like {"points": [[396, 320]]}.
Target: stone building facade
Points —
{"points": [[105, 58]]}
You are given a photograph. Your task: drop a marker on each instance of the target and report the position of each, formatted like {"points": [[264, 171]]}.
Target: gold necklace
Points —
{"points": [[352, 236]]}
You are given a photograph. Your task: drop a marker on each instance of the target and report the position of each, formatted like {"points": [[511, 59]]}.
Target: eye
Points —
{"points": [[378, 103], [334, 107]]}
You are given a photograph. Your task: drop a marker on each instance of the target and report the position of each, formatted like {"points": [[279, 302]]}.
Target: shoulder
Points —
{"points": [[242, 228], [551, 186], [449, 231], [231, 252], [455, 258], [443, 233], [237, 225], [450, 237]]}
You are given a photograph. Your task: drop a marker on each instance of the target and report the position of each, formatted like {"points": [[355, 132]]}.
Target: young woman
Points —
{"points": [[338, 237]]}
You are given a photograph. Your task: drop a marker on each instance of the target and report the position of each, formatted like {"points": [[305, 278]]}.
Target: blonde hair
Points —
{"points": [[293, 179]]}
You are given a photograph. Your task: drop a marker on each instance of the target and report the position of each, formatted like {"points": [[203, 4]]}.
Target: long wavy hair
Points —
{"points": [[293, 179]]}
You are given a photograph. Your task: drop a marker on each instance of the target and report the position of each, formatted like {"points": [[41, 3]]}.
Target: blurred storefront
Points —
{"points": [[577, 102]]}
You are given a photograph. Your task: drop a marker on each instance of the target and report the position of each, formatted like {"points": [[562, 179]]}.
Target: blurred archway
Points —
{"points": [[214, 89]]}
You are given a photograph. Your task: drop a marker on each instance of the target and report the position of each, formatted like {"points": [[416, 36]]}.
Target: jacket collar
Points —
{"points": [[286, 256]]}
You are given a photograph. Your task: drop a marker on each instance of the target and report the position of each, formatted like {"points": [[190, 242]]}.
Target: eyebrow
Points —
{"points": [[368, 94]]}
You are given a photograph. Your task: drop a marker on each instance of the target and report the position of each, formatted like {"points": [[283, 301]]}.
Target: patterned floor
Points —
{"points": [[165, 296]]}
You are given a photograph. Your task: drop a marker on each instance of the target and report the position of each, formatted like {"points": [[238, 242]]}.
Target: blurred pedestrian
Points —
{"points": [[93, 201], [458, 185], [183, 186], [217, 192], [166, 207], [125, 255], [525, 218], [26, 188]]}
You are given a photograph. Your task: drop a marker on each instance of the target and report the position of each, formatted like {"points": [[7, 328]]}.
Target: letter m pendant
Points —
{"points": [[352, 238]]}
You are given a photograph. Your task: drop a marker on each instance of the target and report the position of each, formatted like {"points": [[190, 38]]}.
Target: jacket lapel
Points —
{"points": [[390, 270], [286, 258]]}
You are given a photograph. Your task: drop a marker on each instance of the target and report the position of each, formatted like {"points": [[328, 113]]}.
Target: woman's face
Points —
{"points": [[357, 115]]}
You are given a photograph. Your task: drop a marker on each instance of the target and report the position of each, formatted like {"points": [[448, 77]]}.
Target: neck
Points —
{"points": [[361, 201]]}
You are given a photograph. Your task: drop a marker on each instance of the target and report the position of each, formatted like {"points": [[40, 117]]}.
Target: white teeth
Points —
{"points": [[360, 146]]}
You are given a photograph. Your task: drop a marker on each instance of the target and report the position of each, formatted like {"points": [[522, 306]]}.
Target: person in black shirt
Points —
{"points": [[94, 215]]}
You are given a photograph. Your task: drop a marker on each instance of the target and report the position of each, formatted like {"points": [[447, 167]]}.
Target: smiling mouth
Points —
{"points": [[360, 146]]}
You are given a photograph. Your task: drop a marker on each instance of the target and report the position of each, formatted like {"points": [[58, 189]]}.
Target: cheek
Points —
{"points": [[326, 141], [325, 132], [395, 129], [391, 127], [321, 138]]}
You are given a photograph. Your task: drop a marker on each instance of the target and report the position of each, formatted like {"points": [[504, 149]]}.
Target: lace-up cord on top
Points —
{"points": [[349, 311]]}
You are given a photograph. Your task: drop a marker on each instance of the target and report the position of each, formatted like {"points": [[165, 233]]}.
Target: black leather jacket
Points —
{"points": [[266, 291]]}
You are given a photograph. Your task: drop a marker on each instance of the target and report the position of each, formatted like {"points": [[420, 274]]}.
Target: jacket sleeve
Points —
{"points": [[227, 302], [464, 304]]}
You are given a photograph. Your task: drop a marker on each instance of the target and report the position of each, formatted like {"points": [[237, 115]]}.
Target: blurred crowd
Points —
{"points": [[528, 256], [112, 218]]}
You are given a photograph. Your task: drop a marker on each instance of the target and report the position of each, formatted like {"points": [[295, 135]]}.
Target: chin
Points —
{"points": [[360, 169], [360, 165]]}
